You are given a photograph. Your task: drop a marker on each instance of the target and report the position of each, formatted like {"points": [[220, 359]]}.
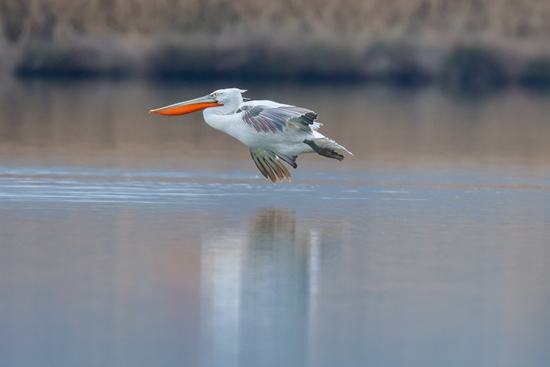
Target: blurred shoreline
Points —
{"points": [[464, 45]]}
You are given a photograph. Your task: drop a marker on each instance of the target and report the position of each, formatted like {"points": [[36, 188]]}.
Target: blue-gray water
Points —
{"points": [[127, 240]]}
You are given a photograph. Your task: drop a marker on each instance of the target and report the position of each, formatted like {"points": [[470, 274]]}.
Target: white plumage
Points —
{"points": [[274, 132]]}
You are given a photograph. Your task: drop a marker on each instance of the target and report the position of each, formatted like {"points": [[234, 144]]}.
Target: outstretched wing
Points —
{"points": [[271, 164], [274, 119]]}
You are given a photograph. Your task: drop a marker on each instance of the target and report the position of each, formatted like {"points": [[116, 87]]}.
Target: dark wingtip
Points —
{"points": [[270, 166]]}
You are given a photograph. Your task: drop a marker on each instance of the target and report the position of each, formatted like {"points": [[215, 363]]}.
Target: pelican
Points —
{"points": [[273, 132]]}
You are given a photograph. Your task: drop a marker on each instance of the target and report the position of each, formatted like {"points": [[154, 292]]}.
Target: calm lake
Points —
{"points": [[128, 239]]}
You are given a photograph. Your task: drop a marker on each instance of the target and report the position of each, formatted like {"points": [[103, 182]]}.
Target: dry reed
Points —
{"points": [[278, 38], [353, 18]]}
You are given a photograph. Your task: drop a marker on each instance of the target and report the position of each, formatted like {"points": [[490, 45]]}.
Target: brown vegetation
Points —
{"points": [[356, 18], [399, 40]]}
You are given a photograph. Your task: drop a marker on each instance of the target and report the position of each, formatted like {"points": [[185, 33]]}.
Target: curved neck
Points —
{"points": [[217, 117], [214, 116]]}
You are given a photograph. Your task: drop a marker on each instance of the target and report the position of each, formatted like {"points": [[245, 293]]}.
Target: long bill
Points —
{"points": [[192, 105]]}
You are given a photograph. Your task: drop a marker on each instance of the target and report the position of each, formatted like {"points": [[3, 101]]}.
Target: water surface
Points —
{"points": [[133, 240]]}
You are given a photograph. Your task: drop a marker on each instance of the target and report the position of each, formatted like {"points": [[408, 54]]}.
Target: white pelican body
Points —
{"points": [[272, 131]]}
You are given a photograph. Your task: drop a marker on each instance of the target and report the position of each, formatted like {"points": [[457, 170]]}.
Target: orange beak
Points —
{"points": [[183, 108]]}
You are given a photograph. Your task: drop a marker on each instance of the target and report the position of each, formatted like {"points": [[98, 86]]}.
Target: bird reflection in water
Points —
{"points": [[256, 291], [275, 291]]}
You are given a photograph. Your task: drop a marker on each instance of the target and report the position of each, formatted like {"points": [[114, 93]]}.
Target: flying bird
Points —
{"points": [[274, 132]]}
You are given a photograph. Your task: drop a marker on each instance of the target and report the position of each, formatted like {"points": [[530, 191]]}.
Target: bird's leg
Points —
{"points": [[326, 152]]}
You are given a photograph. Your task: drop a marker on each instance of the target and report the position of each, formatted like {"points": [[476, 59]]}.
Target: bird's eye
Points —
{"points": [[215, 94]]}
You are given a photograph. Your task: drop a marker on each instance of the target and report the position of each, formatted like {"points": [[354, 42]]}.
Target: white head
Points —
{"points": [[225, 101], [229, 97]]}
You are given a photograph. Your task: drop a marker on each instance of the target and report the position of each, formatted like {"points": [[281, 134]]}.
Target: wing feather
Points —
{"points": [[279, 118], [271, 164]]}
